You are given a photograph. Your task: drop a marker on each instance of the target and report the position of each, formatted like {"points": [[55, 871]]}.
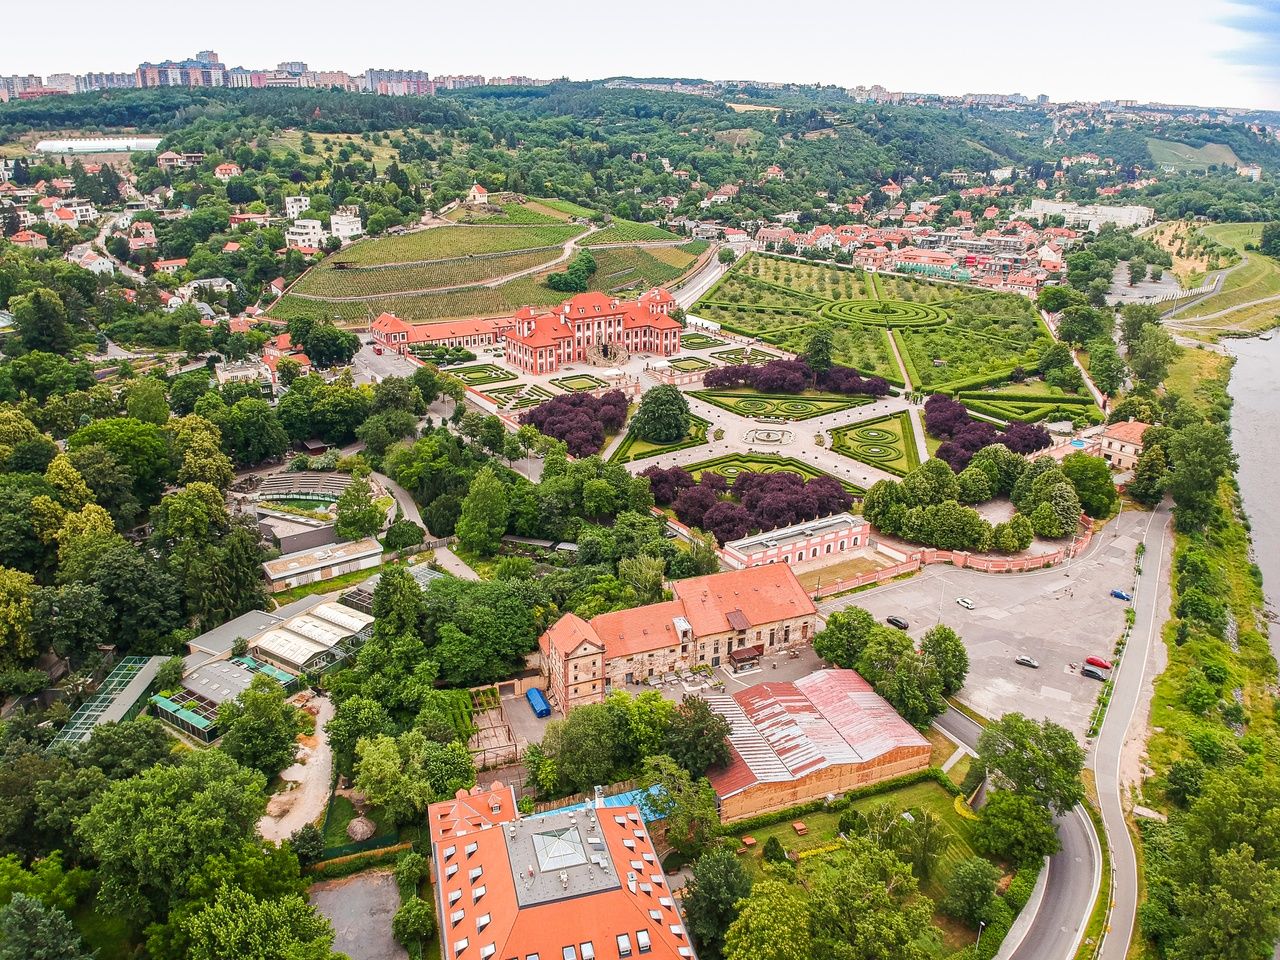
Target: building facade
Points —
{"points": [[1122, 443], [800, 543], [593, 322], [726, 619]]}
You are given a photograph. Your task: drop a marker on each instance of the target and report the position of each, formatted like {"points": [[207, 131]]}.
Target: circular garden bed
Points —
{"points": [[884, 313]]}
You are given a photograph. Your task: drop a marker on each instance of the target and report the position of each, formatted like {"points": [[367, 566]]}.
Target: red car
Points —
{"points": [[1099, 662]]}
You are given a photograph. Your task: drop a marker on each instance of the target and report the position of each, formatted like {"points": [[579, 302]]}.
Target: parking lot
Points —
{"points": [[1059, 616]]}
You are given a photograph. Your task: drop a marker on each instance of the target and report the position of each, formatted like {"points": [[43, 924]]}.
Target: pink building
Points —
{"points": [[801, 543]]}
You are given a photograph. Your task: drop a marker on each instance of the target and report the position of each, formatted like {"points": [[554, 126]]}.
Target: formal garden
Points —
{"points": [[482, 374], [732, 465], [699, 341], [578, 381], [635, 447], [518, 396], [887, 443], [689, 364], [949, 337], [803, 406], [752, 355]]}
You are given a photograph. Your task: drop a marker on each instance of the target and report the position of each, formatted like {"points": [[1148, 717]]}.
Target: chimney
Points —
{"points": [[631, 882]]}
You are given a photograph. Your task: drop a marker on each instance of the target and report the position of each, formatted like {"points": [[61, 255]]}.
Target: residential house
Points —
{"points": [[345, 226], [225, 171], [295, 207], [170, 266], [29, 239], [1122, 443], [305, 235], [178, 161]]}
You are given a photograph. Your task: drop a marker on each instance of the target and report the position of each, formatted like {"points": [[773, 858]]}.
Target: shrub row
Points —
{"points": [[331, 869], [1022, 398]]}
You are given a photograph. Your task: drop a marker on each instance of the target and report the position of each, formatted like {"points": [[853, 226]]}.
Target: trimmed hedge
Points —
{"points": [[348, 865], [1022, 398], [814, 806]]}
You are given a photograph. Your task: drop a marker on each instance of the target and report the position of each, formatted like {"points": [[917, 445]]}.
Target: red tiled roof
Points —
{"points": [[764, 594], [567, 634], [1127, 431], [625, 633], [784, 731]]}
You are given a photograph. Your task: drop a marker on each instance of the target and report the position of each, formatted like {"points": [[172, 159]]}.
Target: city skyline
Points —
{"points": [[1216, 55]]}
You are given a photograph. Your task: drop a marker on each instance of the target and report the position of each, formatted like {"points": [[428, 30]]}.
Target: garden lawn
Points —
{"points": [[577, 382], [800, 406], [518, 396], [633, 448], [752, 355], [926, 795], [689, 364], [341, 812], [887, 443]]}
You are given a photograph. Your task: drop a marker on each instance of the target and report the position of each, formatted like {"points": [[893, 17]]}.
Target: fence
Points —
{"points": [[625, 786]]}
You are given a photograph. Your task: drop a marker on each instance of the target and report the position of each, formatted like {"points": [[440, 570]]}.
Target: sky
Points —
{"points": [[1204, 52]]}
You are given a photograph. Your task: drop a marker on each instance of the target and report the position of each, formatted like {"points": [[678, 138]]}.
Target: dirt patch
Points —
{"points": [[360, 909], [306, 791]]}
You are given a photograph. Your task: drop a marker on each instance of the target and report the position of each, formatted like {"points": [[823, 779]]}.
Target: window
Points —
{"points": [[456, 917], [642, 941], [588, 950], [454, 896], [488, 950], [450, 870], [449, 852], [474, 873], [828, 550], [482, 921], [471, 849], [624, 945], [478, 892], [460, 946], [570, 953]]}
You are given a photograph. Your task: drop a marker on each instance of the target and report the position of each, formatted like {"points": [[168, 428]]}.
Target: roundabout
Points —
{"points": [[891, 314]]}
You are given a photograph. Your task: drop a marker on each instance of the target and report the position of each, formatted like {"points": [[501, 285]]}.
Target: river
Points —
{"points": [[1255, 392]]}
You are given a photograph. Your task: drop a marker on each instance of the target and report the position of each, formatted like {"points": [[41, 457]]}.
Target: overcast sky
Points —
{"points": [[1207, 52]]}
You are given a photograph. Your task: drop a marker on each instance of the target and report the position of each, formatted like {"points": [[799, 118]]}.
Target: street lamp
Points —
{"points": [[981, 924]]}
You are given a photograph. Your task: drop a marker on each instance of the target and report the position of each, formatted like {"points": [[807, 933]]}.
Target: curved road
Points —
{"points": [[1070, 880]]}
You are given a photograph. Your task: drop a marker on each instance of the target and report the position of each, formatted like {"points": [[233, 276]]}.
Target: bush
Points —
{"points": [[403, 534], [414, 921], [411, 867], [774, 852], [308, 843], [1019, 890], [971, 890]]}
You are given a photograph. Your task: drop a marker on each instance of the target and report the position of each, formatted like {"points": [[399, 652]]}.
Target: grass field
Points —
{"points": [[1257, 278], [689, 364], [568, 207], [328, 145], [325, 281], [887, 443], [1194, 370], [530, 212], [1183, 158], [628, 231], [439, 243], [577, 382]]}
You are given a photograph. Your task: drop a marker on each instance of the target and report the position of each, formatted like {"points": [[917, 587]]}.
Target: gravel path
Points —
{"points": [[312, 776]]}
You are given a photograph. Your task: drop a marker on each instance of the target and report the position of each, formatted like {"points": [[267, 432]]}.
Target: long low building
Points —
{"points": [[313, 640], [801, 542], [323, 563], [729, 618], [827, 733]]}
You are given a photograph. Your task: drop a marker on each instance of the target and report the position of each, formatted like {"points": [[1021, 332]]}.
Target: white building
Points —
{"points": [[813, 540], [345, 227], [305, 233], [294, 207], [1093, 215], [92, 262]]}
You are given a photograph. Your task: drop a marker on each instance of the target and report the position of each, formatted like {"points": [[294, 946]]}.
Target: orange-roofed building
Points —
{"points": [[30, 239], [1122, 443], [225, 171], [393, 333], [543, 342], [575, 884], [731, 618]]}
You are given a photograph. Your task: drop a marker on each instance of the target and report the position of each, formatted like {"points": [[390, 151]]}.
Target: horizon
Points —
{"points": [[1221, 54]]}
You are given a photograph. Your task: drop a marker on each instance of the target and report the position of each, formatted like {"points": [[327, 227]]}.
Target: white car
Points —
{"points": [[965, 602]]}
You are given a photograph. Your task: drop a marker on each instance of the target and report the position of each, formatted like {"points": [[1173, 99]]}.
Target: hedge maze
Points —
{"points": [[884, 313], [699, 341], [731, 465], [752, 355], [518, 396], [481, 374]]}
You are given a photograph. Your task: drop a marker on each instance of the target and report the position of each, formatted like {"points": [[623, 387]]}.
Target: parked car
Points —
{"points": [[965, 602], [1025, 661], [1093, 673], [1121, 595], [897, 622], [1098, 662]]}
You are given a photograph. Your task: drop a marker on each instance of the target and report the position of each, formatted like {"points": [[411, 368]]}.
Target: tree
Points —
{"points": [[288, 370], [971, 890], [1149, 477], [30, 930], [239, 925], [146, 400], [194, 340], [204, 462], [414, 922], [845, 636], [819, 348], [358, 516], [405, 775], [153, 835], [41, 319], [260, 727], [355, 718], [1232, 911], [719, 882], [1040, 760], [1015, 827], [1091, 476], [772, 924], [308, 843], [687, 807], [698, 739], [141, 448], [327, 346], [943, 646], [583, 747], [484, 514], [726, 255], [404, 534], [922, 841], [1080, 324], [17, 598], [1106, 368], [1202, 456], [1137, 271], [1150, 356], [663, 416]]}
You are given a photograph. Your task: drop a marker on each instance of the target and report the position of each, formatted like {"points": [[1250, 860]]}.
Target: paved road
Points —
{"points": [[1151, 604], [1055, 930]]}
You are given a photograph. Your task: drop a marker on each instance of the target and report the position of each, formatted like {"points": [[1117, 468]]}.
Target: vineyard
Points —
{"points": [[326, 281], [625, 268], [440, 243], [628, 231], [529, 212]]}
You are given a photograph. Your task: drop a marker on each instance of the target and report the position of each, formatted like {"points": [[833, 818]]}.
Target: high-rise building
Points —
{"points": [[208, 56], [291, 66], [206, 70], [398, 82], [17, 84]]}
